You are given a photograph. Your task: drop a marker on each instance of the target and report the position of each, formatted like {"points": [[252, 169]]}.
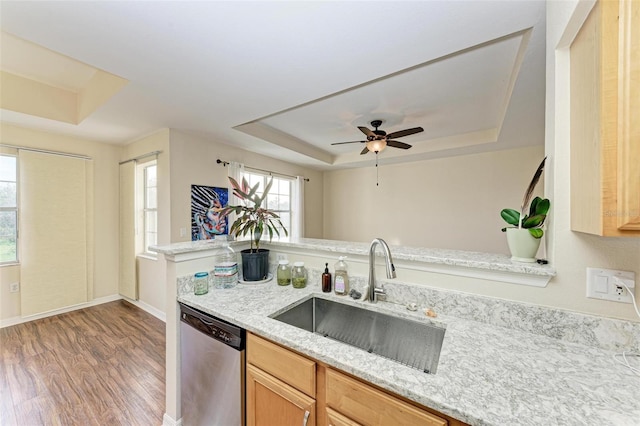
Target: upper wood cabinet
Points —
{"points": [[605, 121]]}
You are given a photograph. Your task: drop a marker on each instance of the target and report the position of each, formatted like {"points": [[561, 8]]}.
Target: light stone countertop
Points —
{"points": [[487, 374]]}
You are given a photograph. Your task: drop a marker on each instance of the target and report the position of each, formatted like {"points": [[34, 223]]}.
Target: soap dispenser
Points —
{"points": [[326, 279], [341, 280]]}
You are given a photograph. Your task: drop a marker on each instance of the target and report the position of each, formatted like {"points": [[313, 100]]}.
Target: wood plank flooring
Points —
{"points": [[103, 365]]}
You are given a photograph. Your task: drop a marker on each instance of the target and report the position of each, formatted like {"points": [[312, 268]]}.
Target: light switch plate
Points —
{"points": [[606, 284]]}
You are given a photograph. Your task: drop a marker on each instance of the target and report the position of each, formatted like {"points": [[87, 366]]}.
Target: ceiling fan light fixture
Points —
{"points": [[377, 145]]}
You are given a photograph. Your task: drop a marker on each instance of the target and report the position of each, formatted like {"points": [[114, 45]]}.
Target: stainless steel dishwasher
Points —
{"points": [[212, 369]]}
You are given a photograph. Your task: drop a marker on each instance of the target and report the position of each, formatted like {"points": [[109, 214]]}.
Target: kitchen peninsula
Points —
{"points": [[501, 363]]}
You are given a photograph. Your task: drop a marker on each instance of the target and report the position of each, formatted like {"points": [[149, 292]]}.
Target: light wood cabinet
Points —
{"points": [[366, 405], [281, 385], [291, 368], [605, 129], [284, 388], [273, 402], [336, 419]]}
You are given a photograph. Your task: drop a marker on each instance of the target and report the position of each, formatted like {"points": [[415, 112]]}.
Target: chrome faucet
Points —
{"points": [[374, 292]]}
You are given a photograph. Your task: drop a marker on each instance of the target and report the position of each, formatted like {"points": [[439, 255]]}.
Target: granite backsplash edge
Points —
{"points": [[590, 330]]}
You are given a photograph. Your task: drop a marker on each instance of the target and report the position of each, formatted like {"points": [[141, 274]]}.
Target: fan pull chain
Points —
{"points": [[376, 168]]}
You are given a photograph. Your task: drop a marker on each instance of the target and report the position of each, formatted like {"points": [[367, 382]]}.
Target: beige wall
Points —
{"points": [[193, 162], [450, 202], [105, 163], [151, 272], [573, 252]]}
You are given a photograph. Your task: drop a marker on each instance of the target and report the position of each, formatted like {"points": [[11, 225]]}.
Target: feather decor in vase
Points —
{"points": [[525, 230]]}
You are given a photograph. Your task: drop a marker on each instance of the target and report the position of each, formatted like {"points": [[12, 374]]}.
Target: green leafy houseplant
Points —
{"points": [[252, 217], [531, 215]]}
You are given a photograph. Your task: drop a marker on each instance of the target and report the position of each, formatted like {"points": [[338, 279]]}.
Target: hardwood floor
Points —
{"points": [[103, 365]]}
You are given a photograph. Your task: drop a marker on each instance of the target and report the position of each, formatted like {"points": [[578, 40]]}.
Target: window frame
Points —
{"points": [[246, 173], [15, 209], [142, 202]]}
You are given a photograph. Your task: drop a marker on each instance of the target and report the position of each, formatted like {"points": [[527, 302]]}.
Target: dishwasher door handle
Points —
{"points": [[205, 322], [306, 418]]}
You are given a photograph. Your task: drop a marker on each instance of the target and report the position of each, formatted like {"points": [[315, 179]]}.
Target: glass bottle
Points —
{"points": [[201, 283], [299, 275], [284, 272], [326, 279]]}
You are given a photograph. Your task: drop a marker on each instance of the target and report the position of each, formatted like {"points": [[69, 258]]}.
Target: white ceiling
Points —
{"points": [[287, 79]]}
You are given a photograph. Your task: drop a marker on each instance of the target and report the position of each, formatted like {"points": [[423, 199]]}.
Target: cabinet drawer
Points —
{"points": [[287, 366], [336, 419], [367, 405]]}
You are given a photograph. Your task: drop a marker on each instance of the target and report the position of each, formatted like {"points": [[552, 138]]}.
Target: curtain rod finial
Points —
{"points": [[224, 163]]}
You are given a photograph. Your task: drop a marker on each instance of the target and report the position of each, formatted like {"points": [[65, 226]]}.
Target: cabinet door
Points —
{"points": [[605, 131], [272, 402], [629, 117]]}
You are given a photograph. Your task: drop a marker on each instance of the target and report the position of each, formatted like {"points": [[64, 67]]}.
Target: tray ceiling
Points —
{"points": [[287, 79]]}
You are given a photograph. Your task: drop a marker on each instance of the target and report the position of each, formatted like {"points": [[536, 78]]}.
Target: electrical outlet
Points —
{"points": [[606, 284], [14, 287], [281, 256], [183, 232]]}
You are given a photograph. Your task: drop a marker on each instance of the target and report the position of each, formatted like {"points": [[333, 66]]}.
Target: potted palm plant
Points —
{"points": [[253, 219], [525, 233]]}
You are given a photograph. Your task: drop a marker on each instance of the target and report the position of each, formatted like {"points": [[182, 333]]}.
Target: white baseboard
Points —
{"points": [[148, 308], [168, 421], [99, 301]]}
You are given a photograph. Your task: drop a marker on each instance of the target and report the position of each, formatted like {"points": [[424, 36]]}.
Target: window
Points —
{"points": [[278, 200], [8, 209], [150, 206]]}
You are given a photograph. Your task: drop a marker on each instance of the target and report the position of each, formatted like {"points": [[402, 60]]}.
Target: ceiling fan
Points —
{"points": [[377, 140]]}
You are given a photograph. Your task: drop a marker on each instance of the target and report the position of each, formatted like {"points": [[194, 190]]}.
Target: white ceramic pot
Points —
{"points": [[522, 244]]}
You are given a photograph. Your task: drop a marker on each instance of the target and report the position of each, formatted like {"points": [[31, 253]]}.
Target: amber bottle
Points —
{"points": [[326, 279]]}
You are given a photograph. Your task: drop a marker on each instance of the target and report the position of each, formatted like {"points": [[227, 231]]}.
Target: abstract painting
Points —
{"points": [[205, 222]]}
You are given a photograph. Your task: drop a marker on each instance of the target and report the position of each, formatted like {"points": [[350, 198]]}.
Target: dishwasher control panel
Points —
{"points": [[216, 328]]}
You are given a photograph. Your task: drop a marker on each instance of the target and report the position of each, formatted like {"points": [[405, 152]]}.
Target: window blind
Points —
{"points": [[54, 253]]}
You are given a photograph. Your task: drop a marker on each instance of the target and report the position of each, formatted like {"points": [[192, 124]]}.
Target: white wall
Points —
{"points": [[450, 202], [193, 162], [106, 175], [573, 252], [151, 272]]}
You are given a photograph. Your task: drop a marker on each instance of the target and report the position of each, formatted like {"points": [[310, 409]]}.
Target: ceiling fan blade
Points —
{"points": [[405, 132], [342, 143], [398, 144], [364, 151], [367, 131]]}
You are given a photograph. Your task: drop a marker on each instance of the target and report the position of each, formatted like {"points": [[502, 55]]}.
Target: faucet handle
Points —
{"points": [[380, 294]]}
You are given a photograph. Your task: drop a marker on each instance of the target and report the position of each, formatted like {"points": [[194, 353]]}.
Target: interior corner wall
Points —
{"points": [[105, 206], [193, 162], [449, 203], [572, 252], [151, 272]]}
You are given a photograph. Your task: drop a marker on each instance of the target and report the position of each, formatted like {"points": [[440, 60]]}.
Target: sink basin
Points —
{"points": [[407, 341]]}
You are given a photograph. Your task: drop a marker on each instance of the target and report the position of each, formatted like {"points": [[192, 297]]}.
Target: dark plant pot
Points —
{"points": [[255, 265]]}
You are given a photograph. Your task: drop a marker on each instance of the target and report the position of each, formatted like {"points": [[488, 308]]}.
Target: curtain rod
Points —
{"points": [[224, 164], [140, 157], [45, 151]]}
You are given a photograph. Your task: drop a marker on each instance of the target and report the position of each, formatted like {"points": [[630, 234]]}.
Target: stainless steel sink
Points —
{"points": [[407, 341]]}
